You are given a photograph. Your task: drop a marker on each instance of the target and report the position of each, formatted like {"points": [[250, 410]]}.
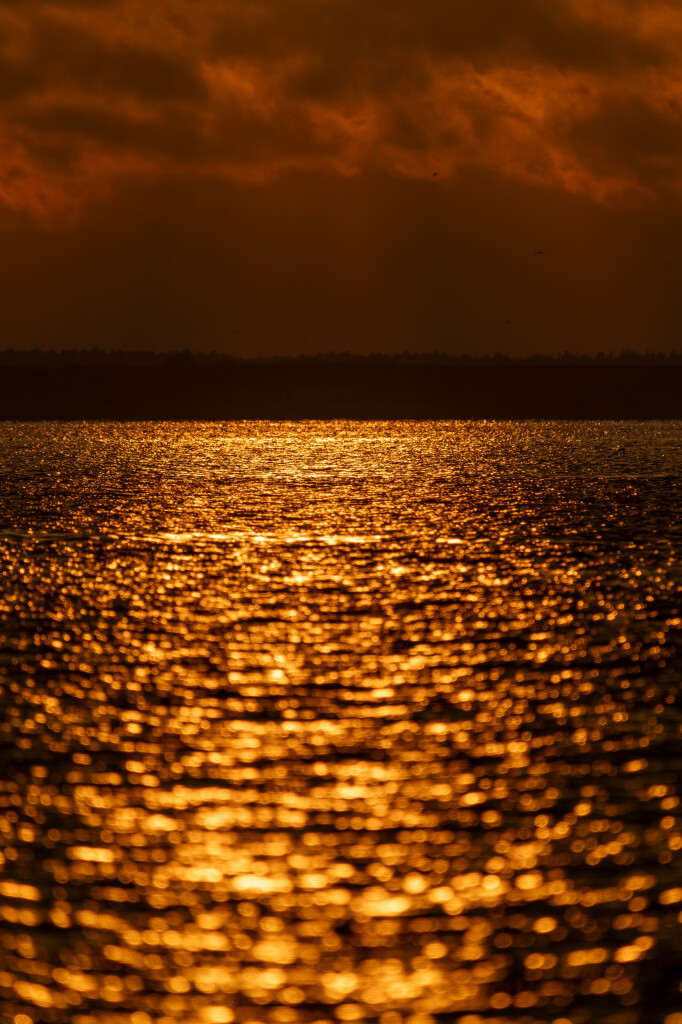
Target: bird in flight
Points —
{"points": [[540, 252], [435, 174]]}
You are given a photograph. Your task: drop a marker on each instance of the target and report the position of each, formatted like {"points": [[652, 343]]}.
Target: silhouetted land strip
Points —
{"points": [[216, 388]]}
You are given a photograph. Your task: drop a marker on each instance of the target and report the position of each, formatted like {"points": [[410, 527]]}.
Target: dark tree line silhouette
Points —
{"points": [[118, 357], [96, 385]]}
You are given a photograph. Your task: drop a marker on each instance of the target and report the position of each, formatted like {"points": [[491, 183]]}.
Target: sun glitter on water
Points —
{"points": [[340, 722]]}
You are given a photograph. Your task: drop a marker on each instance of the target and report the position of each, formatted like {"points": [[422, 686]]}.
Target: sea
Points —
{"points": [[323, 722]]}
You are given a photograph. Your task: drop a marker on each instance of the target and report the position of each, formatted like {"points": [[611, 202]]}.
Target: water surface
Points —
{"points": [[340, 722]]}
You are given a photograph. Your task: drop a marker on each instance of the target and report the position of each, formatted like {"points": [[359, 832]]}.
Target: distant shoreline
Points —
{"points": [[204, 388], [132, 359]]}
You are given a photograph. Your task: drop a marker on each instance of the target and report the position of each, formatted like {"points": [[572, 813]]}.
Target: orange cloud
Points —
{"points": [[580, 95]]}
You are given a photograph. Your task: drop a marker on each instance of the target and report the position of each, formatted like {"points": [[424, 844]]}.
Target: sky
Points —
{"points": [[293, 176]]}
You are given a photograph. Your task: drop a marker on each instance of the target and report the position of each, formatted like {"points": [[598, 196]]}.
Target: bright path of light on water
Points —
{"points": [[340, 722]]}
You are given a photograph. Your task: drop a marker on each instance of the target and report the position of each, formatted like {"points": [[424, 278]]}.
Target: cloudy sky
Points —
{"points": [[261, 176]]}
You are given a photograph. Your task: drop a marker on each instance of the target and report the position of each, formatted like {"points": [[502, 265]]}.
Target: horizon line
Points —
{"points": [[95, 355]]}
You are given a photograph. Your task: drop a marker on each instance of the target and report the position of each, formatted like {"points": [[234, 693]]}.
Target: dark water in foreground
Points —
{"points": [[341, 722]]}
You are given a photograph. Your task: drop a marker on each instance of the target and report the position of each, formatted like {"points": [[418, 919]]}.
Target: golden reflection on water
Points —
{"points": [[340, 722]]}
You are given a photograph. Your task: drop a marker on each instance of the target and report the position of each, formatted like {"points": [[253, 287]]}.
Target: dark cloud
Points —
{"points": [[70, 55], [361, 36], [605, 138], [577, 95]]}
